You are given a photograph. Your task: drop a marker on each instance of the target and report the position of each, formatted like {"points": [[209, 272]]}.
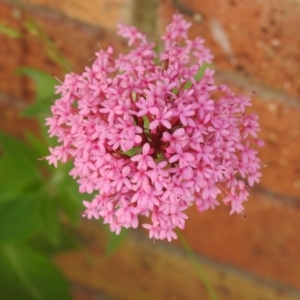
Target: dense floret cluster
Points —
{"points": [[150, 139]]}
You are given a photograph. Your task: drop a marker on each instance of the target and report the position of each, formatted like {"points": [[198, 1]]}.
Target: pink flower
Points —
{"points": [[144, 158], [151, 139], [162, 117]]}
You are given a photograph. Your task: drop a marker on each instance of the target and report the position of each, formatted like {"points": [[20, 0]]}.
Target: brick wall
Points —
{"points": [[257, 48]]}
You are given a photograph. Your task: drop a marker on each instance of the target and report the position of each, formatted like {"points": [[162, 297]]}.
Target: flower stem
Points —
{"points": [[197, 266]]}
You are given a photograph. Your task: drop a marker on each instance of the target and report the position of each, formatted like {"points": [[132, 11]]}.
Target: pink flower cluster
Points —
{"points": [[149, 139]]}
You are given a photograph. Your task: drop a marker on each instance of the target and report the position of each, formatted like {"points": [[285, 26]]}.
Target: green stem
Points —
{"points": [[198, 267]]}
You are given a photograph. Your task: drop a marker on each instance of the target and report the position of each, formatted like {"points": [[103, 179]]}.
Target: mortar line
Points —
{"points": [[222, 266]]}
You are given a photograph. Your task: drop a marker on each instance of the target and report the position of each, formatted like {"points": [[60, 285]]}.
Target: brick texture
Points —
{"points": [[104, 13], [253, 38], [267, 243], [11, 53], [141, 270], [76, 41], [256, 45]]}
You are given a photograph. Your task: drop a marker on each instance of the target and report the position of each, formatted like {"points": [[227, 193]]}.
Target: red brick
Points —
{"points": [[11, 53], [280, 156], [143, 270], [267, 243], [75, 41], [82, 293], [263, 36], [104, 13]]}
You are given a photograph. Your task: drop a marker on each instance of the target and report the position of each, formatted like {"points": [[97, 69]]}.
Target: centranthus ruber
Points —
{"points": [[148, 139]]}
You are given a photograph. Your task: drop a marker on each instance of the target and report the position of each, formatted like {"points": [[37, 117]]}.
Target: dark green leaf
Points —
{"points": [[38, 147], [39, 107], [18, 218], [29, 275], [21, 156], [44, 83], [66, 192], [71, 203], [49, 222], [68, 237], [12, 189], [69, 197]]}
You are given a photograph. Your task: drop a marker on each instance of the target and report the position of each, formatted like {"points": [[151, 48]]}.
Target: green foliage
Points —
{"points": [[133, 151], [44, 88], [30, 275], [18, 219], [33, 198]]}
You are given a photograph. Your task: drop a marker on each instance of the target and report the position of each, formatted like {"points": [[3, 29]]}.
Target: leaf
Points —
{"points": [[39, 107], [9, 32], [48, 214], [133, 151], [18, 218], [69, 197], [30, 275], [11, 188], [71, 203], [21, 156], [44, 83], [36, 144], [115, 241], [67, 194], [68, 237]]}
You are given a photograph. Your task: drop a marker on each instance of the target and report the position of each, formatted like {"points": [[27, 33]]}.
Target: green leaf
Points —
{"points": [[71, 203], [18, 219], [68, 237], [44, 83], [115, 241], [9, 32], [11, 188], [39, 107], [21, 156], [48, 214], [69, 197], [29, 275], [132, 151], [39, 147], [66, 192]]}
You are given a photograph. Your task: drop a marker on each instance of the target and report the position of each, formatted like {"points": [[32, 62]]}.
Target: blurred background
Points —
{"points": [[48, 252]]}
